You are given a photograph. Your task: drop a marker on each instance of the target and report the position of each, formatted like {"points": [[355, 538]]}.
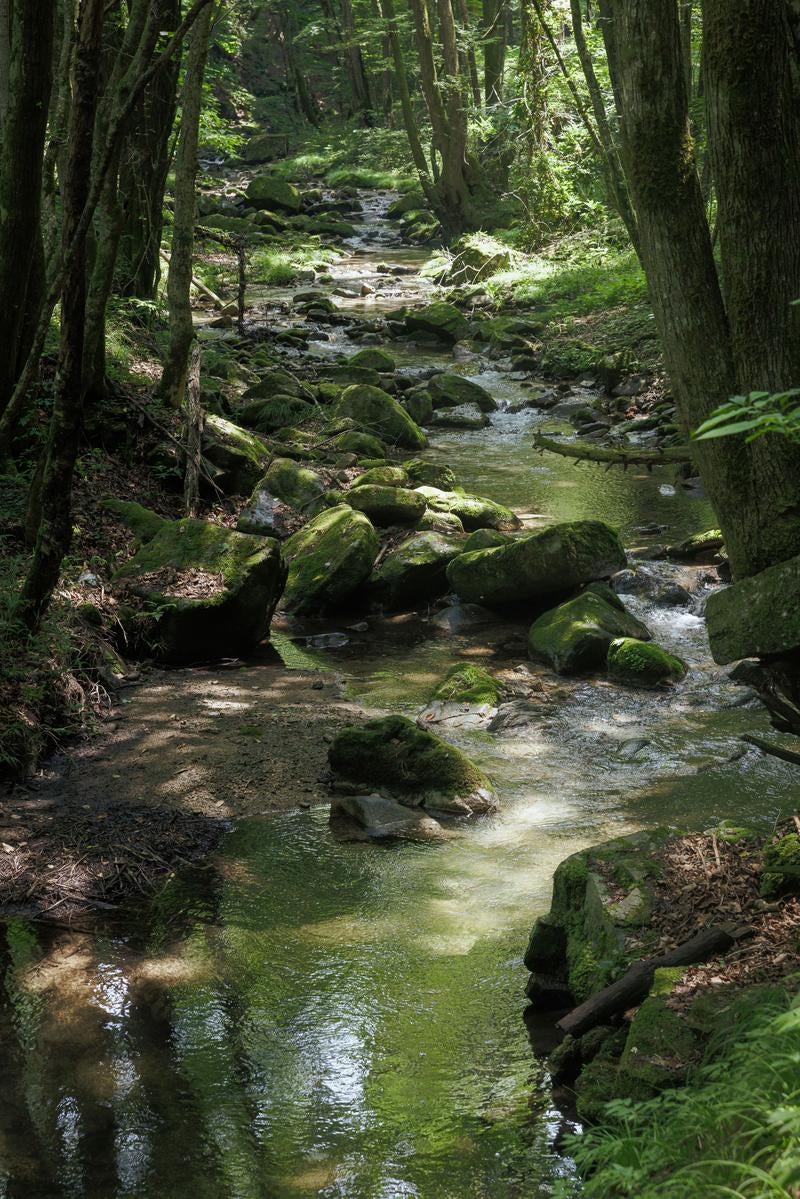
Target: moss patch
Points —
{"points": [[468, 684]]}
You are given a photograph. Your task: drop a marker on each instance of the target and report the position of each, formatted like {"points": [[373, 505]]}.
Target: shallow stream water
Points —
{"points": [[308, 1017]]}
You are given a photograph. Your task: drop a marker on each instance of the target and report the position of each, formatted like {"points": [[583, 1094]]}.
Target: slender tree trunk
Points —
{"points": [[24, 130], [494, 52], [5, 57], [387, 12], [453, 185], [471, 61], [179, 279], [359, 83], [55, 525]]}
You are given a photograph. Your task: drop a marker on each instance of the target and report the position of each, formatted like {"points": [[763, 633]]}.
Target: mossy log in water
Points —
{"points": [[583, 451]]}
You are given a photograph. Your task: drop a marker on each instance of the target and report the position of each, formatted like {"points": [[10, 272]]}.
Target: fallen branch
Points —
{"points": [[216, 300], [634, 985], [584, 452], [768, 747]]}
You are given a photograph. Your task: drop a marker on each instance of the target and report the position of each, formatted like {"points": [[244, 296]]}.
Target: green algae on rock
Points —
{"points": [[632, 661], [416, 570], [383, 476], [467, 683], [474, 511], [418, 768], [576, 635], [554, 560], [377, 412], [296, 485], [387, 505], [329, 559], [208, 591]]}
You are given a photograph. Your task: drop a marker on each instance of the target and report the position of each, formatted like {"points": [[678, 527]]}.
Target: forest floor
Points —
{"points": [[177, 759]]}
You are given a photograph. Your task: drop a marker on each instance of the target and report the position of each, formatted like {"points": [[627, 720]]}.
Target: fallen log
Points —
{"points": [[769, 747], [634, 985], [583, 451]]}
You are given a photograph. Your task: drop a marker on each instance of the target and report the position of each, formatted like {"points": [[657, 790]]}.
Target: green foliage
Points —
{"points": [[755, 415], [732, 1131]]}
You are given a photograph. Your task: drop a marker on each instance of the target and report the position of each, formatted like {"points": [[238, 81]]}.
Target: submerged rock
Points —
{"points": [[329, 559], [576, 635], [208, 591], [634, 662], [413, 765], [387, 505], [383, 818], [416, 570], [554, 560], [381, 415], [443, 321], [474, 511], [451, 391]]}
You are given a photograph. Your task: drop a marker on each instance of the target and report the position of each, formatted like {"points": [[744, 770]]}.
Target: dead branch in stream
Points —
{"points": [[582, 451], [768, 747]]}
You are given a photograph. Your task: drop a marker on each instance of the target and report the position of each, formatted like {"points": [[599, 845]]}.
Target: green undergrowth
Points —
{"points": [[351, 156], [733, 1130], [281, 264]]}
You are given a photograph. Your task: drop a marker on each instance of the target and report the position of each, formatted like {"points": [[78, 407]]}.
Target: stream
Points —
{"points": [[315, 1017]]}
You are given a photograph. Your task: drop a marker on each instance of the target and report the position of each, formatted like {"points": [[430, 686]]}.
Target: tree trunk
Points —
{"points": [[359, 84], [55, 525], [453, 185], [179, 279], [5, 57], [24, 129], [494, 52], [470, 66], [387, 12]]}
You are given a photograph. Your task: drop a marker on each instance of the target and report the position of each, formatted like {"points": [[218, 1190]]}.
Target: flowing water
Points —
{"points": [[311, 1017]]}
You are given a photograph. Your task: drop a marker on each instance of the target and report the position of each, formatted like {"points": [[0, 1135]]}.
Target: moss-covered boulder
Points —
{"points": [[633, 661], [201, 591], [601, 897], [374, 359], [267, 516], [271, 192], [576, 635], [375, 410], [474, 511], [484, 539], [277, 382], [237, 455], [758, 616], [265, 416], [451, 391], [440, 320], [387, 505], [383, 476], [416, 570], [781, 867], [353, 441], [440, 522], [430, 474], [264, 147], [545, 563], [411, 201], [396, 757], [698, 545], [329, 559], [418, 404], [477, 256], [296, 485], [347, 374], [661, 1046], [468, 683], [465, 416]]}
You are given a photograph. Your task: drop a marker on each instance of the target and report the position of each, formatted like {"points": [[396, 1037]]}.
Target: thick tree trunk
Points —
{"points": [[5, 57], [55, 525], [179, 279], [24, 128], [359, 83], [453, 185], [757, 504]]}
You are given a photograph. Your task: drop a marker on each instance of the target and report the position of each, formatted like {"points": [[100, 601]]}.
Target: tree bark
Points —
{"points": [[55, 525], [30, 79], [388, 14], [179, 279], [494, 49]]}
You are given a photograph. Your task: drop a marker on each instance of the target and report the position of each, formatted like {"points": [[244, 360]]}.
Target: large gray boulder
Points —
{"points": [[546, 563]]}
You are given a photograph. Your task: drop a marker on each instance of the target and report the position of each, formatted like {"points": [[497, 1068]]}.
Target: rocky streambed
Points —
{"points": [[321, 1011]]}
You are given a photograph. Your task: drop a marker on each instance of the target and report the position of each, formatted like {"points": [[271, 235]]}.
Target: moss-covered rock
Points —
{"points": [[600, 896], [756, 617], [411, 201], [265, 416], [484, 539], [271, 192], [207, 591], [142, 521], [395, 756], [387, 505], [465, 416], [440, 522], [632, 661], [376, 411], [418, 404], [477, 256], [699, 545], [374, 359], [296, 485], [347, 374], [576, 635], [353, 441], [554, 560], [237, 455], [474, 511], [383, 476], [443, 321], [660, 1047], [781, 866], [416, 570], [451, 391], [430, 474], [274, 383], [468, 683], [329, 559]]}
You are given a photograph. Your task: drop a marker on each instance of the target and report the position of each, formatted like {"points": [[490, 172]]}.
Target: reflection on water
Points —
{"points": [[311, 1018]]}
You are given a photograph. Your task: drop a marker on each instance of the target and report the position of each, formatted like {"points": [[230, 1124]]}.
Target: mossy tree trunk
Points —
{"points": [[707, 349], [23, 139], [179, 279]]}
